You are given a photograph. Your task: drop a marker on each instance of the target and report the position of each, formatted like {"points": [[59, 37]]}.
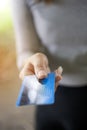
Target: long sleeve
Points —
{"points": [[27, 41]]}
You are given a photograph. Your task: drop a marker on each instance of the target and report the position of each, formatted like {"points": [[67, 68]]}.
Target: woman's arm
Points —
{"points": [[27, 41]]}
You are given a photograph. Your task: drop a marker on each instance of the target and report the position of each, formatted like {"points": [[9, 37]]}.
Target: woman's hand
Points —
{"points": [[38, 64]]}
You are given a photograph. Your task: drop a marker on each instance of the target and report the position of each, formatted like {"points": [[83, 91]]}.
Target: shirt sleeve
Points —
{"points": [[27, 40]]}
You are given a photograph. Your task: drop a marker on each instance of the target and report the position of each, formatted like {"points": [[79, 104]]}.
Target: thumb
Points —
{"points": [[41, 71], [41, 67]]}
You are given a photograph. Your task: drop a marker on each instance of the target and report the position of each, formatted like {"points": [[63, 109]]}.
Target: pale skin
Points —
{"points": [[38, 64]]}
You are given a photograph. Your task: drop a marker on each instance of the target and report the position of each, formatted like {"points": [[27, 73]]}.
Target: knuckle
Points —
{"points": [[39, 54]]}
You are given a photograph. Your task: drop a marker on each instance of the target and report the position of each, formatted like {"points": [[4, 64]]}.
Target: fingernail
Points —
{"points": [[60, 70], [42, 74]]}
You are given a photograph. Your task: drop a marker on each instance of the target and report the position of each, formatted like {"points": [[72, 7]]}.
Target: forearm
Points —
{"points": [[27, 41]]}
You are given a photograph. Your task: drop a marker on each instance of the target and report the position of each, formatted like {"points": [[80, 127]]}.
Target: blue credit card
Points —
{"points": [[34, 92]]}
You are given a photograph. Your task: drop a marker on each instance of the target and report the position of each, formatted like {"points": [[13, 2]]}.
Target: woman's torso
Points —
{"points": [[62, 28]]}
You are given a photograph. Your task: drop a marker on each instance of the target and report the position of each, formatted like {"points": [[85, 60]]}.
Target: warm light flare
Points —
{"points": [[3, 5]]}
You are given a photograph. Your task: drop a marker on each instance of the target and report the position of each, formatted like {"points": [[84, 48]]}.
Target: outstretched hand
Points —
{"points": [[38, 64]]}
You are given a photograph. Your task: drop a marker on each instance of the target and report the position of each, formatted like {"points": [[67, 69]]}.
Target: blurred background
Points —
{"points": [[11, 117]]}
